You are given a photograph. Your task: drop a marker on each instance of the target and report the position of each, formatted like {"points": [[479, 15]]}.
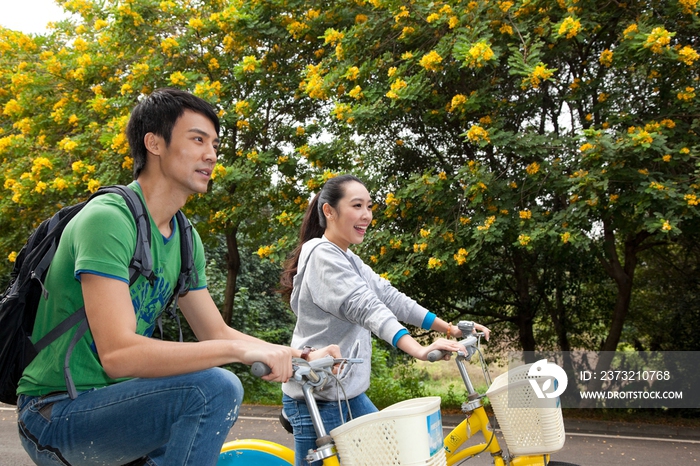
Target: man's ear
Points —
{"points": [[153, 143]]}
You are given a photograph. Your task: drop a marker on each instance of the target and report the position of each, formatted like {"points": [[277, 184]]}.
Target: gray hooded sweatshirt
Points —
{"points": [[340, 300]]}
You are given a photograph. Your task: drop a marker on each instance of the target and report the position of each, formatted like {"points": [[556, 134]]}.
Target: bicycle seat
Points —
{"points": [[285, 422]]}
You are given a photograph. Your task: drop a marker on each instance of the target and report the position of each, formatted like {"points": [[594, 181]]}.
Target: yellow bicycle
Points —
{"points": [[530, 433]]}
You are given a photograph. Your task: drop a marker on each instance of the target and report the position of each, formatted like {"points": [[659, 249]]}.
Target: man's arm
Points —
{"points": [[123, 353]]}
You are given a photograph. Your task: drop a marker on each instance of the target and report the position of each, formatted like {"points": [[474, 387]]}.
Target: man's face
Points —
{"points": [[190, 157]]}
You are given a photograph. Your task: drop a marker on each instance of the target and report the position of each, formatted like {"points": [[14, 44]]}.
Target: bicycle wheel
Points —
{"points": [[252, 452]]}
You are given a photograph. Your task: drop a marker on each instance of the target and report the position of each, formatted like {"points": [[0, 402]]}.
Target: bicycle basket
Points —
{"points": [[530, 425], [405, 433]]}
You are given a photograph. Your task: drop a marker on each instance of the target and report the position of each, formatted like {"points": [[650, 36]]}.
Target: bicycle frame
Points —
{"points": [[478, 421], [456, 443]]}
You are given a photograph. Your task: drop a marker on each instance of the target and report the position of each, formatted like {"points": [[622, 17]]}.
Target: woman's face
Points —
{"points": [[347, 223]]}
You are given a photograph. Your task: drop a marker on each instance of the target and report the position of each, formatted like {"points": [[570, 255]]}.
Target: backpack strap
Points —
{"points": [[141, 264], [188, 275]]}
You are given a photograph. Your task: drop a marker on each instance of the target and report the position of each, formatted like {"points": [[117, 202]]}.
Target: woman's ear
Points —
{"points": [[327, 210]]}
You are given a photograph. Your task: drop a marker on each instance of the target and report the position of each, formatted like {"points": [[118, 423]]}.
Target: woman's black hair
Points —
{"points": [[314, 225]]}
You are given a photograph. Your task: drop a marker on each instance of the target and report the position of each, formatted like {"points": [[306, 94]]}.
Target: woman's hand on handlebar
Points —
{"points": [[330, 350], [484, 329], [457, 333], [448, 346]]}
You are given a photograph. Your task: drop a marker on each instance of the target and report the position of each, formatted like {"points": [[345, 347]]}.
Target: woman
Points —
{"points": [[340, 300]]}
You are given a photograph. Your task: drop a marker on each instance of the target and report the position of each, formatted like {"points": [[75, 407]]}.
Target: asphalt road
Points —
{"points": [[587, 443]]}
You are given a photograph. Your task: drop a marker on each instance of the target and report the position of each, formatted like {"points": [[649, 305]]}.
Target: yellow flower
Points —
{"points": [[630, 31], [524, 240], [128, 163], [570, 26], [658, 40], [477, 134], [250, 64], [525, 214], [688, 55], [431, 61], [359, 19], [40, 187], [178, 79], [586, 146], [479, 54], [12, 107], [356, 93], [332, 36], [434, 263], [487, 223], [687, 95], [565, 237], [533, 168], [461, 256], [666, 158], [457, 101], [93, 185], [424, 233], [12, 257], [692, 199], [67, 145], [396, 86], [539, 74], [195, 23], [353, 73], [666, 226], [606, 58], [265, 251]]}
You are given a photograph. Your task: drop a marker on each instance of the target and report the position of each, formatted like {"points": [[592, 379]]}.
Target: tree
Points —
{"points": [[66, 99], [521, 137]]}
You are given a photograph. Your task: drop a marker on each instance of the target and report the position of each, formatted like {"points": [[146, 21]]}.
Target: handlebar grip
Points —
{"points": [[436, 355], [260, 369]]}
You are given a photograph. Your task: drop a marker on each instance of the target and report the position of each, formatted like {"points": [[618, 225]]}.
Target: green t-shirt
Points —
{"points": [[100, 240]]}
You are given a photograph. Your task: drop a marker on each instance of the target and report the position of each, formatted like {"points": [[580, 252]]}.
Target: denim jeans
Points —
{"points": [[304, 434], [179, 420]]}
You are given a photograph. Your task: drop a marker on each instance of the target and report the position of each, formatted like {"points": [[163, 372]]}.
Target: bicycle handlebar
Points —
{"points": [[309, 368], [469, 344]]}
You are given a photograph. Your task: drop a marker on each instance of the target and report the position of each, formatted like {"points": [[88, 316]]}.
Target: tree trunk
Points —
{"points": [[233, 266], [525, 316], [623, 275]]}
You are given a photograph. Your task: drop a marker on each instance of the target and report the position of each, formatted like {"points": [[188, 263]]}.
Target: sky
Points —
{"points": [[30, 16]]}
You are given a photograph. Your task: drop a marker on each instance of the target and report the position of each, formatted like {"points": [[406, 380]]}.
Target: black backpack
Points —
{"points": [[20, 300]]}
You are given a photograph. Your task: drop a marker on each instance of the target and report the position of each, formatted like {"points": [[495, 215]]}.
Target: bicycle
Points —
{"points": [[456, 447]]}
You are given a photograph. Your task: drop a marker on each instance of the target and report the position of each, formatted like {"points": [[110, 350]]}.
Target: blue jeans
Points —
{"points": [[304, 434], [179, 420]]}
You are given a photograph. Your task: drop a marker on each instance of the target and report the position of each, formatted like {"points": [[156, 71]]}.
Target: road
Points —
{"points": [[587, 443]]}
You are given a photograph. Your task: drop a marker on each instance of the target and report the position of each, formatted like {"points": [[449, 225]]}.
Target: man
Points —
{"points": [[141, 400]]}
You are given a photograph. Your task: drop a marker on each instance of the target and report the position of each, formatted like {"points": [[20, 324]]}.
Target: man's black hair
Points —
{"points": [[157, 114]]}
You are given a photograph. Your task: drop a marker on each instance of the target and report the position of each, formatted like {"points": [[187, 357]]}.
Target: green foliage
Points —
{"points": [[524, 155]]}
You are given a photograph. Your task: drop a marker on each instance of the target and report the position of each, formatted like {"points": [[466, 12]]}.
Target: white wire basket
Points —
{"points": [[530, 425], [405, 433]]}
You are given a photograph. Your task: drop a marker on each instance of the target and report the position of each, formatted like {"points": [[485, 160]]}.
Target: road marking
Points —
{"points": [[631, 437]]}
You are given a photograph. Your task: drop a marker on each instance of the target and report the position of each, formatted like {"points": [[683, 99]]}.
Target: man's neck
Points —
{"points": [[162, 201]]}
